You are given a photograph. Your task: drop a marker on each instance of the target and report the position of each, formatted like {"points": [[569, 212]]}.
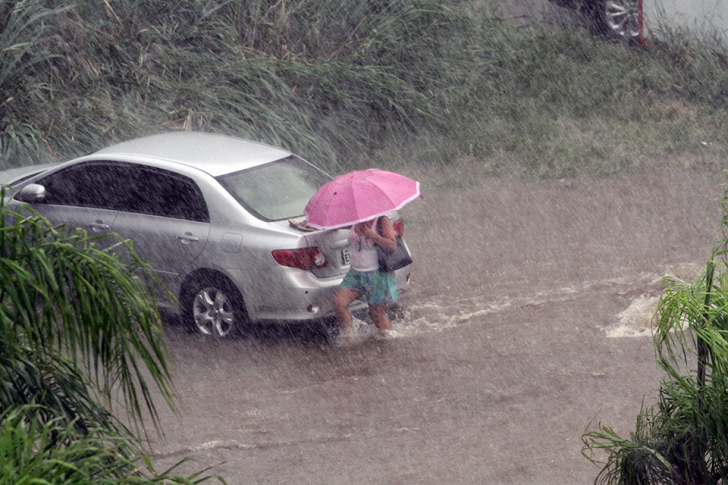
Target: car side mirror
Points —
{"points": [[31, 193]]}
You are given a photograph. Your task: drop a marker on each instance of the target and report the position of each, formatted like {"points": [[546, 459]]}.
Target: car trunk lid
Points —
{"points": [[334, 245]]}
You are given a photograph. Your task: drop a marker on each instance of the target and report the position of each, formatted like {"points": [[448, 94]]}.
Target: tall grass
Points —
{"points": [[350, 84]]}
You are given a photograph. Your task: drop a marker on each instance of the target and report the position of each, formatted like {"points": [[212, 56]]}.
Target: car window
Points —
{"points": [[85, 185], [277, 190], [167, 194], [128, 188]]}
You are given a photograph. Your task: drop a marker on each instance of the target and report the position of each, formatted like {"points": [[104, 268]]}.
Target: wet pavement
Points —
{"points": [[528, 319]]}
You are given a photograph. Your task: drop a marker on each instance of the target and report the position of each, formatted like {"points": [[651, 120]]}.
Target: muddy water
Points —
{"points": [[527, 319]]}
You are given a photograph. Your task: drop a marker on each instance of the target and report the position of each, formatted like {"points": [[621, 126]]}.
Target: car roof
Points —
{"points": [[12, 175], [212, 153]]}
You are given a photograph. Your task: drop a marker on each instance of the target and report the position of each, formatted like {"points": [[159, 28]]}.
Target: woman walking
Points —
{"points": [[364, 280], [358, 200]]}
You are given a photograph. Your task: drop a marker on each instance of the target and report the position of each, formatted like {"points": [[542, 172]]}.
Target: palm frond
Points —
{"points": [[79, 324]]}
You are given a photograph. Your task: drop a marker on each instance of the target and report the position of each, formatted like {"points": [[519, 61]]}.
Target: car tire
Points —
{"points": [[329, 328], [212, 305], [615, 19]]}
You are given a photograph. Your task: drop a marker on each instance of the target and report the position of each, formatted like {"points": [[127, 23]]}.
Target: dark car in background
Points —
{"points": [[613, 19]]}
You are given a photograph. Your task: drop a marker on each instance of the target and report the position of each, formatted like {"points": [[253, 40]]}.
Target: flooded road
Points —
{"points": [[527, 319]]}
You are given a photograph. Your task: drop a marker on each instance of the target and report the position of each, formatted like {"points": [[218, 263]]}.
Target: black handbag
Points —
{"points": [[392, 260]]}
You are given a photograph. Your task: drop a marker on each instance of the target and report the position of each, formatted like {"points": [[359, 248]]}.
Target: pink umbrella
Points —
{"points": [[359, 196]]}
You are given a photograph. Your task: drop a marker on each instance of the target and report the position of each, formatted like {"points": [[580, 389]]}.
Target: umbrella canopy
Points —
{"points": [[359, 196]]}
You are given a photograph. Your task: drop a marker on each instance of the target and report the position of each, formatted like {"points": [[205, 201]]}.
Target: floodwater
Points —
{"points": [[528, 318]]}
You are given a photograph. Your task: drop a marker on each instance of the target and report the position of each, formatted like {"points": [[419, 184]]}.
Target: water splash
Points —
{"points": [[636, 320], [439, 314]]}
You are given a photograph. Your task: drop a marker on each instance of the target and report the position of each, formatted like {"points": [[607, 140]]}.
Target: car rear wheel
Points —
{"points": [[213, 306], [616, 19]]}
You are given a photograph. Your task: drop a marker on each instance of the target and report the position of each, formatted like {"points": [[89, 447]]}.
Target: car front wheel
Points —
{"points": [[213, 306], [616, 19]]}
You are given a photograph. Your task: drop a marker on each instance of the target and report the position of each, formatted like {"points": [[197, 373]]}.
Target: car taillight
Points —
{"points": [[303, 258], [399, 227]]}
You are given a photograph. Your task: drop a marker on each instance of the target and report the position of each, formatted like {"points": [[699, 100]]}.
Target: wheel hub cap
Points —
{"points": [[212, 312], [623, 17]]}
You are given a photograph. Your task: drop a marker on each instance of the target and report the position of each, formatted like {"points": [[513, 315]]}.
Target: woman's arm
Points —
{"points": [[387, 240]]}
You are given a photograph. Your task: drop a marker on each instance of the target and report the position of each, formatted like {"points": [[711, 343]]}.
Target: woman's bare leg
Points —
{"points": [[380, 318], [342, 300]]}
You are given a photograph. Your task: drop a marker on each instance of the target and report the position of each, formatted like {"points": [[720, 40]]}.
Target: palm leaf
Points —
{"points": [[79, 324]]}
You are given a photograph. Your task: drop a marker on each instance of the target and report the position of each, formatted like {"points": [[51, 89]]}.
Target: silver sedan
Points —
{"points": [[212, 215]]}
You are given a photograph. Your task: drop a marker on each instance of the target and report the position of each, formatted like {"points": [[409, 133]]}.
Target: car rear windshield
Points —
{"points": [[277, 190]]}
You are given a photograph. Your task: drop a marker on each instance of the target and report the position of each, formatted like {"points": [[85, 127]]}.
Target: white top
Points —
{"points": [[364, 255]]}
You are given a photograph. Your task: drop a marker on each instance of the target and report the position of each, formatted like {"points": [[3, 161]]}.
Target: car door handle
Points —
{"points": [[98, 226], [187, 238]]}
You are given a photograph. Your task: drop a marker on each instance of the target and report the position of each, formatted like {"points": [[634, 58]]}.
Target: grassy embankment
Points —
{"points": [[355, 84]]}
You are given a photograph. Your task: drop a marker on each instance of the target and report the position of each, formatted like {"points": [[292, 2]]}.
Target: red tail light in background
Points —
{"points": [[399, 227], [303, 258]]}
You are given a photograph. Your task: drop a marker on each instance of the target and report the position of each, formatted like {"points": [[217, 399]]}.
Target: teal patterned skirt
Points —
{"points": [[376, 288]]}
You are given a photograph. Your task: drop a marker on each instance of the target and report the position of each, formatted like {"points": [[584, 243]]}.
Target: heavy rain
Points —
{"points": [[529, 316], [494, 374]]}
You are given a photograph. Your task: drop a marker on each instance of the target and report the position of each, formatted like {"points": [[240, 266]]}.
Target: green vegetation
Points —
{"points": [[52, 453], [79, 332], [347, 85], [76, 324], [354, 84], [683, 438]]}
